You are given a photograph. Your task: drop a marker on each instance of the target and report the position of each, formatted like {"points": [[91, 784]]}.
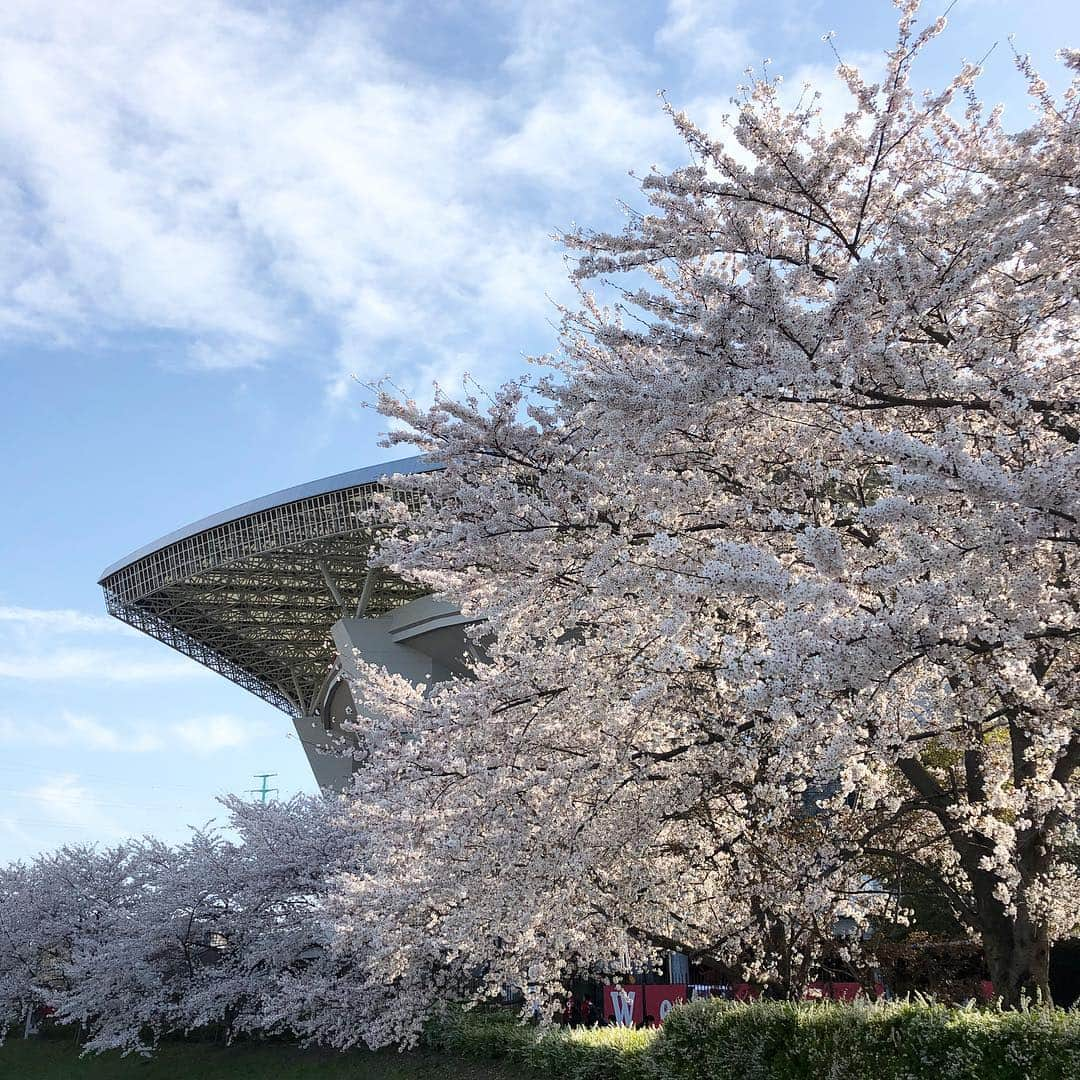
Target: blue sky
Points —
{"points": [[215, 214]]}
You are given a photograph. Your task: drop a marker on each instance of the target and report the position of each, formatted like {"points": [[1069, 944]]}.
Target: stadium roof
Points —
{"points": [[252, 592]]}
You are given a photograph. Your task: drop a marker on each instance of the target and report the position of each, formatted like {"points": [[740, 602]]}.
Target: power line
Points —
{"points": [[92, 800], [5, 820], [103, 777], [108, 780]]}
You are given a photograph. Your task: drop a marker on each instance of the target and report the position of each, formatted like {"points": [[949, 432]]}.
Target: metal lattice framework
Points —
{"points": [[253, 593]]}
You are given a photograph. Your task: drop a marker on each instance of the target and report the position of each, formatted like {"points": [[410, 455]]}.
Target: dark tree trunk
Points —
{"points": [[778, 941], [1019, 962], [1017, 947]]}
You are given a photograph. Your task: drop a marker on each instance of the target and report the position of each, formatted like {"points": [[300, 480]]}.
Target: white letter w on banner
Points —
{"points": [[622, 1004]]}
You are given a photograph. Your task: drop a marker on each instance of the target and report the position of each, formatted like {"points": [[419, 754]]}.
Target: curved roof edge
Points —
{"points": [[419, 463]]}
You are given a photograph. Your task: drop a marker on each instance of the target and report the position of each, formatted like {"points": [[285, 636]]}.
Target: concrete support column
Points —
{"points": [[423, 641]]}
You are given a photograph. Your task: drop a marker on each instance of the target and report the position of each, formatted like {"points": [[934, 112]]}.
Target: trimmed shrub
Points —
{"points": [[480, 1034], [713, 1040], [594, 1053], [895, 1041]]}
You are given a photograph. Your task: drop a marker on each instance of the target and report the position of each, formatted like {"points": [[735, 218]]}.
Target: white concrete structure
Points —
{"points": [[423, 640], [278, 595]]}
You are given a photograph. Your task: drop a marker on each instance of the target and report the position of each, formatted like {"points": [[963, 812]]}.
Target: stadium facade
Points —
{"points": [[279, 596]]}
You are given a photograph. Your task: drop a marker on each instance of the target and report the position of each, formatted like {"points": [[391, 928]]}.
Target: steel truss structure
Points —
{"points": [[252, 593]]}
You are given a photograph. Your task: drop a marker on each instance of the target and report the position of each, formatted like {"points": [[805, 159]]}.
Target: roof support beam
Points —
{"points": [[332, 586], [370, 577]]}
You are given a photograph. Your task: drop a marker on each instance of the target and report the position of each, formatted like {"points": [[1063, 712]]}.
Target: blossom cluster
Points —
{"points": [[776, 561]]}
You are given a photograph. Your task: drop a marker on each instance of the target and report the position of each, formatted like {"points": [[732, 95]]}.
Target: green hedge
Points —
{"points": [[780, 1041], [900, 1041], [596, 1053]]}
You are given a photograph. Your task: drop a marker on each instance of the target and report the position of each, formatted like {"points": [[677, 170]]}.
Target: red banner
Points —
{"points": [[624, 1004], [631, 1005], [660, 998]]}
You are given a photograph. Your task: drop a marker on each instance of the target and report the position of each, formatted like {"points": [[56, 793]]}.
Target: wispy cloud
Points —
{"points": [[382, 178], [58, 620], [708, 35], [65, 801], [38, 644], [71, 730], [211, 734], [232, 175], [95, 665], [12, 830], [200, 735], [241, 180]]}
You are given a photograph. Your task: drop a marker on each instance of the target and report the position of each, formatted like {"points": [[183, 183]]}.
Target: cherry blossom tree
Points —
{"points": [[145, 939], [55, 908], [777, 562]]}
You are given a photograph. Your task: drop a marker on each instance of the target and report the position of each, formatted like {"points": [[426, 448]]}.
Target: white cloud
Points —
{"points": [[65, 801], [590, 125], [708, 34], [380, 176], [12, 830], [229, 174], [58, 620], [212, 734], [72, 731], [39, 645], [69, 731], [49, 662]]}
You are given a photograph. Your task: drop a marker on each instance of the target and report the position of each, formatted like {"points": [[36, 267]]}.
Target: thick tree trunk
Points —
{"points": [[1016, 945], [1018, 956]]}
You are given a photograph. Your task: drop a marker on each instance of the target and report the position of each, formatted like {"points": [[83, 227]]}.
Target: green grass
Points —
{"points": [[58, 1059]]}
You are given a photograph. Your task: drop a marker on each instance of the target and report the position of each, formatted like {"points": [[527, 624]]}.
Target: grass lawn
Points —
{"points": [[58, 1059]]}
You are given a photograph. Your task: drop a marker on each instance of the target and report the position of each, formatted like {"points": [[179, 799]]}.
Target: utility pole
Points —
{"points": [[263, 791]]}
